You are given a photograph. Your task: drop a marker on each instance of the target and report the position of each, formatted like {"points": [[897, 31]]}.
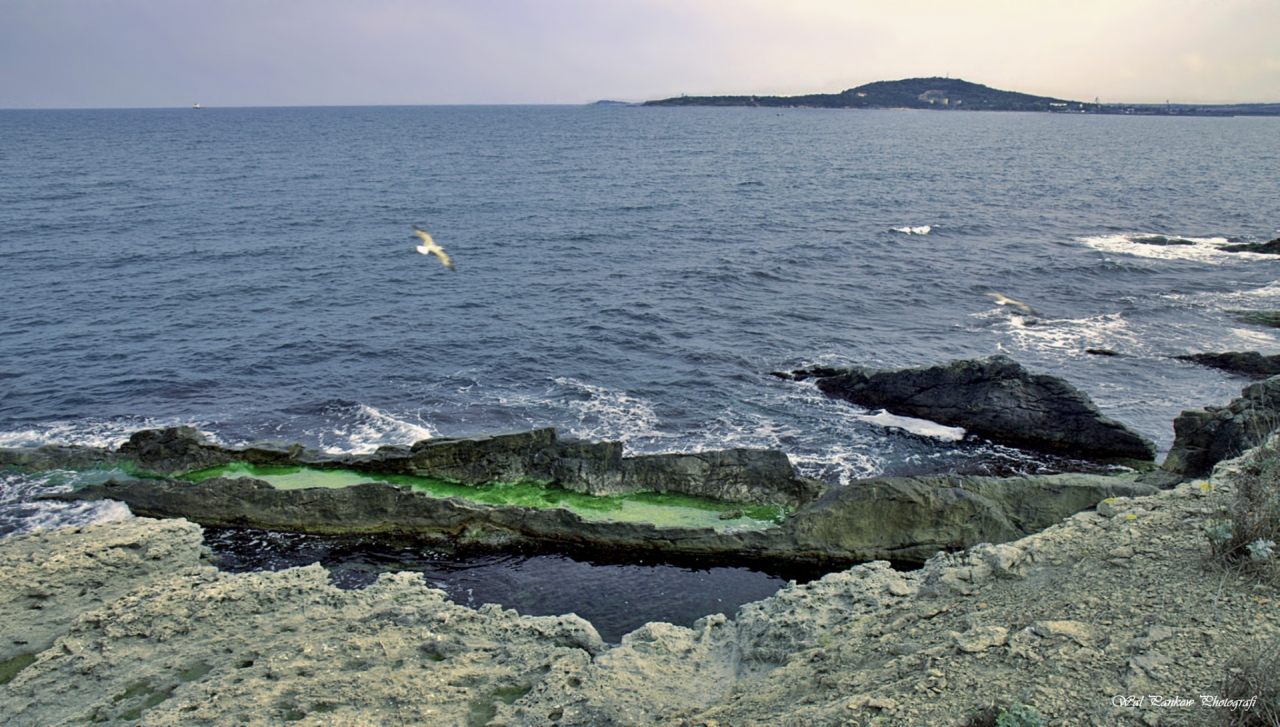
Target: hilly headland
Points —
{"points": [[954, 94]]}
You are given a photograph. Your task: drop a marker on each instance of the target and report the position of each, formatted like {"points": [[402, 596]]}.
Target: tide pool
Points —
{"points": [[663, 509]]}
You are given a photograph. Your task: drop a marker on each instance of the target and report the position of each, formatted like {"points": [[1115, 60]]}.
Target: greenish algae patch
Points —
{"points": [[10, 668], [195, 672], [663, 509]]}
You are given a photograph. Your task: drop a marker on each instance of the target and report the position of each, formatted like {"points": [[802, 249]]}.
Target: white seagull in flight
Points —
{"points": [[429, 247], [1001, 300]]}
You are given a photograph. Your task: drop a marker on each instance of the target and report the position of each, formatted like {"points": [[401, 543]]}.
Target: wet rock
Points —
{"points": [[376, 507], [733, 475], [994, 398], [1204, 437], [53, 456], [905, 518], [756, 476], [1244, 363], [173, 450], [1266, 248], [1269, 318]]}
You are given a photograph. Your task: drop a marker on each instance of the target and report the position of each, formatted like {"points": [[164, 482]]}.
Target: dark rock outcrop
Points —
{"points": [[905, 518], [994, 398], [184, 449], [55, 456], [1268, 248], [735, 475], [1204, 437], [1245, 363]]}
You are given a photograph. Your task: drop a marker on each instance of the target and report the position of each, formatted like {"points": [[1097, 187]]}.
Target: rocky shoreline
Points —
{"points": [[1028, 593], [891, 518], [128, 621], [897, 518]]}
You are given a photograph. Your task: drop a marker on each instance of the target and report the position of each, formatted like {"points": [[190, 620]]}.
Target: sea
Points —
{"points": [[622, 273]]}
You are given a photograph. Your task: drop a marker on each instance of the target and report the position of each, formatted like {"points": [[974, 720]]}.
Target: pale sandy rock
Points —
{"points": [[47, 579], [981, 638], [1004, 560], [1082, 634]]}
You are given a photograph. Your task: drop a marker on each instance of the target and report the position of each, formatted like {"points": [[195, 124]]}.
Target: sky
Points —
{"points": [[172, 53]]}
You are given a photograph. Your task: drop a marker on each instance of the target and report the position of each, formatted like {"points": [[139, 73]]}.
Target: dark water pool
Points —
{"points": [[616, 595]]}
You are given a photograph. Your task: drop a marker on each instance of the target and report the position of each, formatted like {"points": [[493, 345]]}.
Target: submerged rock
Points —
{"points": [[993, 397], [1245, 363], [1267, 248], [1204, 437], [1269, 318]]}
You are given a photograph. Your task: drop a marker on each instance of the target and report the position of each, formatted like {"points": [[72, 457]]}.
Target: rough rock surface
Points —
{"points": [[1244, 363], [993, 397], [38, 607], [1071, 620], [734, 475], [901, 518], [911, 518], [56, 456], [1204, 437]]}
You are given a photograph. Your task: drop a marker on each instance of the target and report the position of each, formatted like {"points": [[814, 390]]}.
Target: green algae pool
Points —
{"points": [[663, 509]]}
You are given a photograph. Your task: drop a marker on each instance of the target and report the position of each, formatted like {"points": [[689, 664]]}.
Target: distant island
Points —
{"points": [[954, 94]]}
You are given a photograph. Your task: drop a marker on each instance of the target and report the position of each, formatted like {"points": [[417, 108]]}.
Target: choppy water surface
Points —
{"points": [[622, 273]]}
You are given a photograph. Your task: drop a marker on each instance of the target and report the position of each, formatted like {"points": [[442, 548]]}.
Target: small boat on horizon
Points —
{"points": [[197, 106]]}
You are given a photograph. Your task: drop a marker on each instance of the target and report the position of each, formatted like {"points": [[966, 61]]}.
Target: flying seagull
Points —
{"points": [[1001, 300], [429, 247]]}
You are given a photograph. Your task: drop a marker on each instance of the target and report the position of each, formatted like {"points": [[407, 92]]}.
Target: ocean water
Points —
{"points": [[622, 273]]}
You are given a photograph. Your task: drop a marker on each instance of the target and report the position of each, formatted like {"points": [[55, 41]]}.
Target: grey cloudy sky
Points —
{"points": [[140, 53]]}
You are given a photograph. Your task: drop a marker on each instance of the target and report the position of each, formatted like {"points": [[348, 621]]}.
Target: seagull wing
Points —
{"points": [[1001, 300], [429, 247]]}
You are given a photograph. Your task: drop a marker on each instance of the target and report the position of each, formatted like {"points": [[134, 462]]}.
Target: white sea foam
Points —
{"points": [[1263, 297], [1070, 336], [21, 512], [829, 442], [105, 433], [1160, 247], [606, 414], [921, 230], [372, 428], [841, 463], [1254, 337], [923, 427]]}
